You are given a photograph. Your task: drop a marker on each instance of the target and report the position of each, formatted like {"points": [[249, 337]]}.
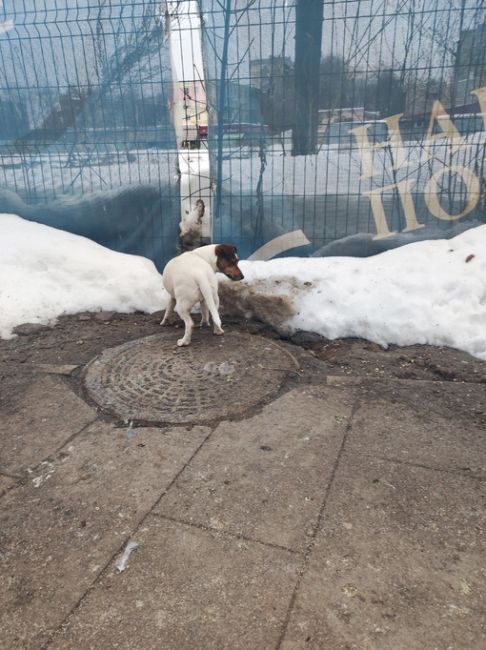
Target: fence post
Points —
{"points": [[189, 110], [308, 38], [227, 9]]}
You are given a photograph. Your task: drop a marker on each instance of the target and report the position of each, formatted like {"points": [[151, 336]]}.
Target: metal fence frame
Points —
{"points": [[87, 141], [324, 121]]}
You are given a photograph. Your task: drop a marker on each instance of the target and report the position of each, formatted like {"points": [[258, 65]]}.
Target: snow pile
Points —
{"points": [[429, 292], [45, 273]]}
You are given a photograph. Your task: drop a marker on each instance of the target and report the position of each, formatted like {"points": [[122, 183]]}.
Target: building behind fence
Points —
{"points": [[335, 127]]}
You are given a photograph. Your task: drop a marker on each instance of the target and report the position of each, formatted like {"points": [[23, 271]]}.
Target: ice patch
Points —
{"points": [[122, 562], [42, 478], [225, 368]]}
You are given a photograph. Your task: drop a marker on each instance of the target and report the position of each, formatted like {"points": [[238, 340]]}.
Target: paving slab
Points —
{"points": [[40, 421], [441, 425], [59, 530], [186, 589], [398, 562], [265, 477]]}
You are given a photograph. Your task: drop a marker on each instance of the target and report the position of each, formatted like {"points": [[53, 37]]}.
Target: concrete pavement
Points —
{"points": [[346, 513]]}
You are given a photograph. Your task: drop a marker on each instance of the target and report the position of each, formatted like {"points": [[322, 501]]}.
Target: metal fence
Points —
{"points": [[335, 126], [345, 126], [86, 137]]}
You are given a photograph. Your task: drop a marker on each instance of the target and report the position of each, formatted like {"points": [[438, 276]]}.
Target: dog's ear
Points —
{"points": [[225, 251]]}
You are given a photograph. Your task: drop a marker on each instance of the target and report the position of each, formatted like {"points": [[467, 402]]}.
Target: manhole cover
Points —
{"points": [[150, 380]]}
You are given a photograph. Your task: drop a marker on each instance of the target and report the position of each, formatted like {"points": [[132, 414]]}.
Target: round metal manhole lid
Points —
{"points": [[150, 380]]}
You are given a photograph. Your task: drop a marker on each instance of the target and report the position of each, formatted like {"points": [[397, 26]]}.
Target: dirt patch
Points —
{"points": [[259, 301], [420, 362]]}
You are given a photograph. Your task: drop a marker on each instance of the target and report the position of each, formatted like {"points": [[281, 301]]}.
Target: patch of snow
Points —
{"points": [[45, 273], [130, 431], [224, 368], [6, 25], [31, 173], [429, 292], [42, 478], [122, 562]]}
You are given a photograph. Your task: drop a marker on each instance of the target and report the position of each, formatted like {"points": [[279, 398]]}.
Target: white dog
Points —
{"points": [[190, 278]]}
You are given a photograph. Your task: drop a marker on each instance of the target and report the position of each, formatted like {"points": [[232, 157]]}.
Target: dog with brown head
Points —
{"points": [[227, 261], [190, 278]]}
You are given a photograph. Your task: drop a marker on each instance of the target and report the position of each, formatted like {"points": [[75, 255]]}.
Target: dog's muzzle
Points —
{"points": [[235, 275]]}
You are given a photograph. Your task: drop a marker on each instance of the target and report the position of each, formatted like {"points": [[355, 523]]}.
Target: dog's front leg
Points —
{"points": [[217, 329]]}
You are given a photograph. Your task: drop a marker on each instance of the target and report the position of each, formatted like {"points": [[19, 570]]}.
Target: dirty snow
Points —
{"points": [[42, 478], [45, 272], [429, 292], [224, 368], [122, 562]]}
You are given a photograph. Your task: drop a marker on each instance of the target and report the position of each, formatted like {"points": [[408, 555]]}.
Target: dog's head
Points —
{"points": [[227, 261]]}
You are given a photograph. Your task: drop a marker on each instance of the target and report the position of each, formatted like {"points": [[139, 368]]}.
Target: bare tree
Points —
{"points": [[131, 46]]}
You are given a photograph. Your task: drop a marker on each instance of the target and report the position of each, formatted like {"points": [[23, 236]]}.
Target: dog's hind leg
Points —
{"points": [[168, 310], [204, 313], [212, 301], [184, 311], [217, 329]]}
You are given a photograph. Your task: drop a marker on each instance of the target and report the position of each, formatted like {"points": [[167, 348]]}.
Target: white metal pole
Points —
{"points": [[190, 111]]}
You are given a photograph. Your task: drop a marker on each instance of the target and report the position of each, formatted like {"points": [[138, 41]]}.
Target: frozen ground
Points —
{"points": [[430, 292]]}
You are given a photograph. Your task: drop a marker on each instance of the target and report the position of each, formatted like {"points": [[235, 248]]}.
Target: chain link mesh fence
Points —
{"points": [[336, 127], [349, 126], [86, 137]]}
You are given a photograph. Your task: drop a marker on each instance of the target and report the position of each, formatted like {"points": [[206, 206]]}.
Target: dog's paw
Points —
{"points": [[181, 343], [163, 322], [219, 331]]}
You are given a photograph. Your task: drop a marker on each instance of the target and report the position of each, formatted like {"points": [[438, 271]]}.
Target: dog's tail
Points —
{"points": [[207, 293]]}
